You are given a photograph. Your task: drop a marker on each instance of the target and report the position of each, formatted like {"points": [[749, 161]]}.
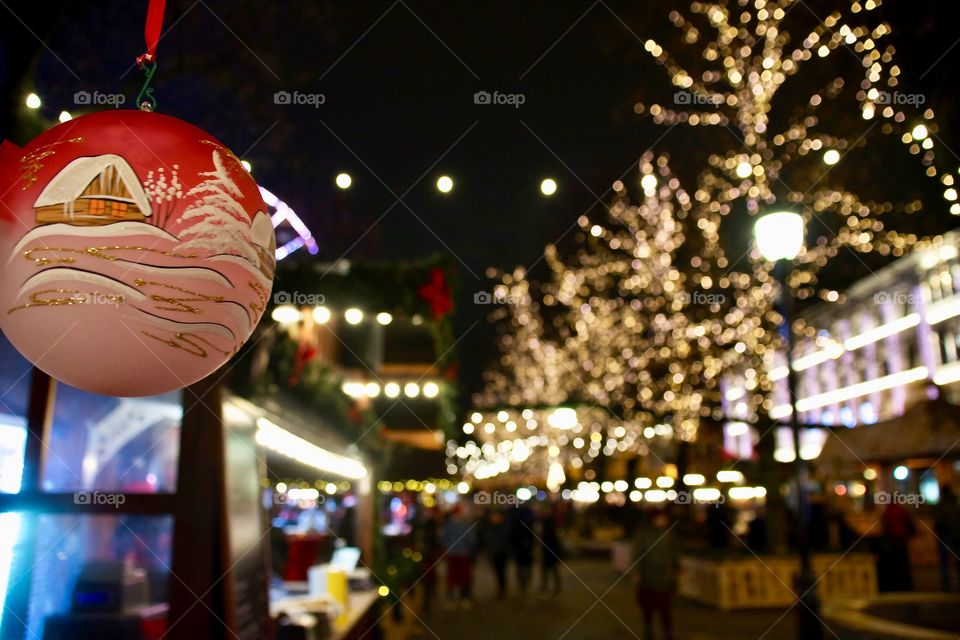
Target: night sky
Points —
{"points": [[398, 82]]}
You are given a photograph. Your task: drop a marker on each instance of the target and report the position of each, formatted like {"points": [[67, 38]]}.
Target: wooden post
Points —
{"points": [[196, 586], [39, 420], [366, 521]]}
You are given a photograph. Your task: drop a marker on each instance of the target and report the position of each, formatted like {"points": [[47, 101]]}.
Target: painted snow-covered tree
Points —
{"points": [[220, 224], [164, 190]]}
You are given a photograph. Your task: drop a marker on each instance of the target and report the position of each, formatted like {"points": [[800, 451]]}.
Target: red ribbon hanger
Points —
{"points": [[152, 31]]}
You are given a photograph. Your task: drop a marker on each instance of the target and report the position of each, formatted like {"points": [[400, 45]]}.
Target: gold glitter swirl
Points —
{"points": [[189, 342], [261, 293], [31, 163], [75, 296], [95, 252], [180, 304]]}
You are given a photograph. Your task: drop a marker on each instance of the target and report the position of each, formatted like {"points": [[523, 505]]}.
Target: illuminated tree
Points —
{"points": [[533, 369], [650, 309], [640, 300], [790, 148]]}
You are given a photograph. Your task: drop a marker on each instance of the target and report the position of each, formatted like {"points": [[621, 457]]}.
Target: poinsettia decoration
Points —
{"points": [[437, 293]]}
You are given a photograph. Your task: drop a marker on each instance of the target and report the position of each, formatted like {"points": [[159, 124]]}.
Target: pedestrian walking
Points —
{"points": [[946, 526], [551, 551], [495, 538], [657, 565], [522, 541], [427, 531], [459, 539], [898, 528]]}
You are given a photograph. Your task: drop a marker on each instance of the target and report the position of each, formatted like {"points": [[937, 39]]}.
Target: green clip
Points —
{"points": [[145, 99]]}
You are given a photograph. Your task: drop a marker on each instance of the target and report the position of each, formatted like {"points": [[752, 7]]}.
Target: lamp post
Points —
{"points": [[779, 238]]}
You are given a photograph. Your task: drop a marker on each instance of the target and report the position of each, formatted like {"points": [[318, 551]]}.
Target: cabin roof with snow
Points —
{"points": [[73, 180]]}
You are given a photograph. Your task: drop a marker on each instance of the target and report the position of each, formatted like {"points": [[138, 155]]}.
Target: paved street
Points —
{"points": [[594, 604]]}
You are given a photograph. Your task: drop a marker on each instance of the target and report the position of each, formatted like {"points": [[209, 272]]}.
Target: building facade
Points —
{"points": [[872, 355]]}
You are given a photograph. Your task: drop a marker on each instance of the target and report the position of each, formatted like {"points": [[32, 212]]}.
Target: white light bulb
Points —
{"points": [[779, 235]]}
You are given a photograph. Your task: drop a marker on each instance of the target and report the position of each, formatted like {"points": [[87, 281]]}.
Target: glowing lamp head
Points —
{"points": [[779, 235]]}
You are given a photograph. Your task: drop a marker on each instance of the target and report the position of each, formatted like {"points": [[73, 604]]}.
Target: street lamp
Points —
{"points": [[779, 238]]}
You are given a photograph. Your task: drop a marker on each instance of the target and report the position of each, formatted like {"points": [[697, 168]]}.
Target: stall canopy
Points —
{"points": [[929, 429]]}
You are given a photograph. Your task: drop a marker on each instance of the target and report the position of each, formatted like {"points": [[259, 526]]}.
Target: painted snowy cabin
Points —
{"points": [[93, 191]]}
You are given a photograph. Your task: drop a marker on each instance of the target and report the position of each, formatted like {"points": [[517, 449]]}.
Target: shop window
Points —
{"points": [[79, 561], [121, 444], [15, 388], [913, 354]]}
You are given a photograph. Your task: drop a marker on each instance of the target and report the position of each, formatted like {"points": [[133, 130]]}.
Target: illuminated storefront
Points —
{"points": [[872, 355]]}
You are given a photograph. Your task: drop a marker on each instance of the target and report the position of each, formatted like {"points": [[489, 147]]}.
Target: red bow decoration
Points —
{"points": [[305, 353], [437, 293]]}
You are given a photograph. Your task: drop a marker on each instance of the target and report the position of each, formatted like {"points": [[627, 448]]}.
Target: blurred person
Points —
{"points": [[459, 540], [657, 564], [522, 542], [719, 523], [898, 528], [551, 551], [427, 540], [818, 524], [495, 538], [757, 531], [946, 526]]}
